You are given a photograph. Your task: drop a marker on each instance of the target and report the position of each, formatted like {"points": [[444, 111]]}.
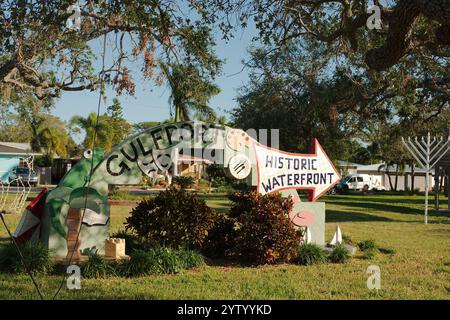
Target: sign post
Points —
{"points": [[427, 152]]}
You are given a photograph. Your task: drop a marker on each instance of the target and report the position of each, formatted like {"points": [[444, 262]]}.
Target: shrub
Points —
{"points": [[184, 182], [174, 218], [217, 176], [190, 259], [244, 202], [96, 267], [340, 254], [161, 261], [369, 254], [309, 253], [141, 263], [220, 239], [367, 245], [167, 260], [132, 242], [347, 239], [265, 233], [36, 257]]}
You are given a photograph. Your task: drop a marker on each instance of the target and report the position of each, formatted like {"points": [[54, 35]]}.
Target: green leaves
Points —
{"points": [[174, 218]]}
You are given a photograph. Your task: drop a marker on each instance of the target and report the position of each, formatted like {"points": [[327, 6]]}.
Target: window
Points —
{"points": [[22, 170], [360, 179]]}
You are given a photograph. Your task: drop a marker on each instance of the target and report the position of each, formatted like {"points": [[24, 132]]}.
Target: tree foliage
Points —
{"points": [[40, 54], [98, 132], [408, 28], [190, 90]]}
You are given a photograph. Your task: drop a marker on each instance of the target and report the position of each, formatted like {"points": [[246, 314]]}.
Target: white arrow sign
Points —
{"points": [[279, 170]]}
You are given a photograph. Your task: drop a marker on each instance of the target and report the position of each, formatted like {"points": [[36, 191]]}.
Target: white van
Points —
{"points": [[363, 182]]}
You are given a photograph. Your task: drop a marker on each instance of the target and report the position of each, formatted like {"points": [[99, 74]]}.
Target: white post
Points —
{"points": [[426, 197], [175, 164], [426, 177]]}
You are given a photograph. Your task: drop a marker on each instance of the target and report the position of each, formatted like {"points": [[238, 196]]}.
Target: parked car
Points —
{"points": [[340, 188], [24, 175], [358, 182], [363, 182]]}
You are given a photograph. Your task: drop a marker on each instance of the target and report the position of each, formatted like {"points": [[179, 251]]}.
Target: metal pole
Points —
{"points": [[426, 177], [426, 197]]}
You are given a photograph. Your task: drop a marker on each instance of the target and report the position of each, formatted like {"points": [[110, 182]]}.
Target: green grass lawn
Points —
{"points": [[419, 269]]}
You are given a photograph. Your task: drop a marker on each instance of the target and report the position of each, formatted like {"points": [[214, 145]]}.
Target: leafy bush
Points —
{"points": [[367, 245], [309, 253], [217, 175], [161, 261], [141, 263], [36, 257], [369, 254], [184, 182], [167, 260], [340, 254], [241, 186], [265, 233], [244, 202], [132, 242], [174, 218], [220, 239], [190, 259], [96, 267], [347, 239]]}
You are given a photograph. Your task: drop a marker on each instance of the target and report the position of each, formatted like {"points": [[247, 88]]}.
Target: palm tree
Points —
{"points": [[52, 140], [93, 126], [189, 90]]}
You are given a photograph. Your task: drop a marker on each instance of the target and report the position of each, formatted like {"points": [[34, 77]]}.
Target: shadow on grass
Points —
{"points": [[385, 198], [351, 216], [381, 206]]}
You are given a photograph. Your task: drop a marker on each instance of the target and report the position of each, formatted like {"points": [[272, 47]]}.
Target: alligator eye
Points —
{"points": [[88, 154]]}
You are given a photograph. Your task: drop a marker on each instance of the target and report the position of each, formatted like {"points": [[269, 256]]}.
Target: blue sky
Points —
{"points": [[150, 102]]}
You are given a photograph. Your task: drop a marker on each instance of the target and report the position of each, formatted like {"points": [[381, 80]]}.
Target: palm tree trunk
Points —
{"points": [[396, 177], [389, 177], [177, 114]]}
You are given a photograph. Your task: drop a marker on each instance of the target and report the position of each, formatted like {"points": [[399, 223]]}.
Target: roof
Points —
{"points": [[346, 164], [187, 159], [15, 148], [392, 168]]}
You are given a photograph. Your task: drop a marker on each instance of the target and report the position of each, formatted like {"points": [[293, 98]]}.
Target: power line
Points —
{"points": [[27, 268], [102, 80]]}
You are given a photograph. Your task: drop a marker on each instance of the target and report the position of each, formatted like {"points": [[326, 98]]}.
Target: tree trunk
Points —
{"points": [[396, 177], [389, 176], [413, 175]]}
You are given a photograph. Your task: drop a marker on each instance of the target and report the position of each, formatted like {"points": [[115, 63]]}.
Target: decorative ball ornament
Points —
{"points": [[240, 166], [237, 139]]}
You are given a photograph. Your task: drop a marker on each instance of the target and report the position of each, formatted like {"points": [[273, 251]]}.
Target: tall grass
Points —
{"points": [[36, 258]]}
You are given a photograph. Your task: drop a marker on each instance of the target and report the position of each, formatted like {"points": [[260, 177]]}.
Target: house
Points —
{"points": [[192, 166], [13, 154], [404, 180], [345, 167], [61, 166]]}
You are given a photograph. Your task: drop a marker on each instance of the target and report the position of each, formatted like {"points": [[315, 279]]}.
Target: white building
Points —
{"points": [[404, 180]]}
